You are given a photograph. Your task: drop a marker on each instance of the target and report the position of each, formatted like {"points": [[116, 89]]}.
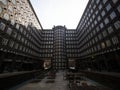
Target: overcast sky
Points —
{"points": [[59, 12]]}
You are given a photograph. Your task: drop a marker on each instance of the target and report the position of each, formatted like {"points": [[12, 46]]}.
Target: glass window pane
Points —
{"points": [[115, 1], [6, 16], [101, 25], [0, 10], [100, 7], [104, 1], [118, 8], [104, 33], [103, 13], [103, 45], [108, 7], [110, 29], [113, 15], [4, 41], [2, 26], [115, 40], [117, 24], [108, 43], [9, 31], [106, 21]]}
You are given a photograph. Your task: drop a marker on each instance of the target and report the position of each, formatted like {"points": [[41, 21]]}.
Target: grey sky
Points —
{"points": [[59, 12]]}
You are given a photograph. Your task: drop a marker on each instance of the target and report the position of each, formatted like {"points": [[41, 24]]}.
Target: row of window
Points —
{"points": [[16, 41], [47, 31], [70, 34], [46, 55], [72, 55], [60, 61], [71, 46], [71, 38], [100, 46], [47, 42], [16, 46], [46, 46], [70, 31], [18, 12], [71, 42], [98, 31], [72, 50], [17, 35], [85, 22], [93, 6], [46, 39], [60, 58], [98, 28]]}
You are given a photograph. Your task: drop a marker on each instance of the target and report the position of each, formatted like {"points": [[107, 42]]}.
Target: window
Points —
{"points": [[117, 24], [90, 6], [101, 25], [17, 26], [106, 21], [92, 25], [25, 33], [93, 16], [10, 8], [4, 2], [2, 26], [115, 40], [16, 46], [21, 29], [110, 29], [11, 44], [19, 37], [93, 41], [94, 32], [97, 28], [96, 39], [99, 18], [104, 1], [97, 1], [6, 16], [94, 7], [103, 45], [14, 34], [20, 48], [13, 1], [98, 46], [90, 19], [0, 10], [4, 41], [12, 21], [89, 14], [100, 6], [108, 7], [118, 8], [91, 11], [9, 31], [104, 33], [113, 15], [103, 13], [95, 22], [96, 12], [108, 43], [100, 36], [114, 1]]}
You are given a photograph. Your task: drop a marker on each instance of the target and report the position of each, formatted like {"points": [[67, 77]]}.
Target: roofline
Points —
{"points": [[83, 14], [35, 13]]}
